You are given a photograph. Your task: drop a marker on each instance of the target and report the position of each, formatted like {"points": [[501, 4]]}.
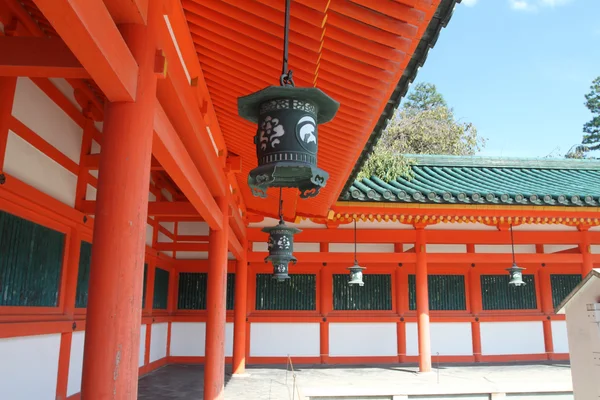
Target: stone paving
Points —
{"points": [[265, 383]]}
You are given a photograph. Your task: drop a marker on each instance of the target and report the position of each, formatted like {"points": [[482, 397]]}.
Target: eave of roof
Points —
{"points": [[484, 180], [440, 20]]}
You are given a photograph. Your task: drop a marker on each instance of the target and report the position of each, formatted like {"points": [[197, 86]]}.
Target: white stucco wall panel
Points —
{"points": [[560, 340], [446, 248], [75, 363], [158, 341], [39, 113], [28, 164], [412, 339], [451, 339], [188, 339], [501, 248], [29, 366], [507, 338], [361, 247], [363, 339], [142, 353], [283, 339]]}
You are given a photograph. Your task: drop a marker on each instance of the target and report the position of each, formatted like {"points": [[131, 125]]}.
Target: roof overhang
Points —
{"points": [[589, 280]]}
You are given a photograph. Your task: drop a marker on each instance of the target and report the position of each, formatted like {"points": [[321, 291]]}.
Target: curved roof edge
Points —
{"points": [[440, 20], [502, 162]]}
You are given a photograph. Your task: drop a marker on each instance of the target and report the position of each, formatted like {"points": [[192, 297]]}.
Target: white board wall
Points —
{"points": [[363, 339], [507, 338], [283, 339], [158, 341], [29, 366], [188, 339]]}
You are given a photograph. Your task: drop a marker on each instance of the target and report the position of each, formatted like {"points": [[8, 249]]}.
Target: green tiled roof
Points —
{"points": [[481, 180]]}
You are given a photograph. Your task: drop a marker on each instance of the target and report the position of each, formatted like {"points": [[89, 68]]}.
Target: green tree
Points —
{"points": [[424, 125], [591, 129]]}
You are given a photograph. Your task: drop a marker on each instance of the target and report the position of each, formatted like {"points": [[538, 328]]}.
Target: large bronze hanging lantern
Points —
{"points": [[356, 275], [286, 139], [515, 272], [281, 248]]}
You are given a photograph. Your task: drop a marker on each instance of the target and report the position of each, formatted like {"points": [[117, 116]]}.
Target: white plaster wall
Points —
{"points": [[192, 255], [451, 339], [361, 247], [545, 227], [29, 366], [162, 238], [28, 164], [283, 339], [396, 225], [149, 232], [75, 363], [560, 340], [462, 226], [272, 221], [170, 226], [90, 193], [158, 341], [595, 249], [40, 114], [192, 228], [188, 339], [501, 248], [505, 338], [363, 339], [142, 345], [412, 339], [446, 248], [66, 89], [553, 248], [306, 247]]}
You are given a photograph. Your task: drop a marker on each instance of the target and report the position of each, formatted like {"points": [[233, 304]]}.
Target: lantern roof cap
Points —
{"points": [[248, 106]]}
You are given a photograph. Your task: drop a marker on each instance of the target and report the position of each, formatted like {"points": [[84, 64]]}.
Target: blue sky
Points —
{"points": [[518, 70]]}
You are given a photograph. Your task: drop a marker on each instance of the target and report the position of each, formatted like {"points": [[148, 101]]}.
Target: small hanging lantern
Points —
{"points": [[356, 275], [286, 139], [516, 272], [281, 246]]}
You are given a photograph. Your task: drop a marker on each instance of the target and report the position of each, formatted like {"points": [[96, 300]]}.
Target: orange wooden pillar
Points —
{"points": [[584, 247], [7, 96], [214, 364], [546, 303], [325, 305], [401, 305], [475, 305], [239, 318], [423, 303], [111, 351]]}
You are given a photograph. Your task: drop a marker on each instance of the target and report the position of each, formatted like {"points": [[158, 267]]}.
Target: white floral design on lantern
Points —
{"points": [[270, 131], [283, 243]]}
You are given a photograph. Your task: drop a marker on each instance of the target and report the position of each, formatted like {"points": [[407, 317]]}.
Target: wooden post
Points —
{"points": [[214, 365], [547, 305], [584, 247], [111, 351], [401, 305], [423, 302], [326, 303], [476, 306], [239, 319]]}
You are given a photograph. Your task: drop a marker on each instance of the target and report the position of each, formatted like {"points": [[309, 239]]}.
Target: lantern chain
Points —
{"points": [[512, 242], [286, 78]]}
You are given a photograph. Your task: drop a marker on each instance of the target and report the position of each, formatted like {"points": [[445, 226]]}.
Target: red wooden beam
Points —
{"points": [[90, 32], [155, 208], [128, 12], [234, 246], [433, 236], [92, 161], [38, 57], [172, 154]]}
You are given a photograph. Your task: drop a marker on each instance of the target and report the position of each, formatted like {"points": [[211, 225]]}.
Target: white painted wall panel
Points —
{"points": [[446, 248], [498, 338], [361, 247], [229, 339], [560, 340], [162, 238], [281, 339], [90, 193], [142, 344], [545, 227], [149, 232], [501, 248], [595, 249], [188, 338], [553, 248], [412, 339], [28, 164], [395, 225], [192, 255], [75, 363], [307, 247], [95, 146], [170, 226], [363, 339], [192, 228], [66, 89], [451, 338], [462, 227], [36, 110], [158, 341], [28, 367]]}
